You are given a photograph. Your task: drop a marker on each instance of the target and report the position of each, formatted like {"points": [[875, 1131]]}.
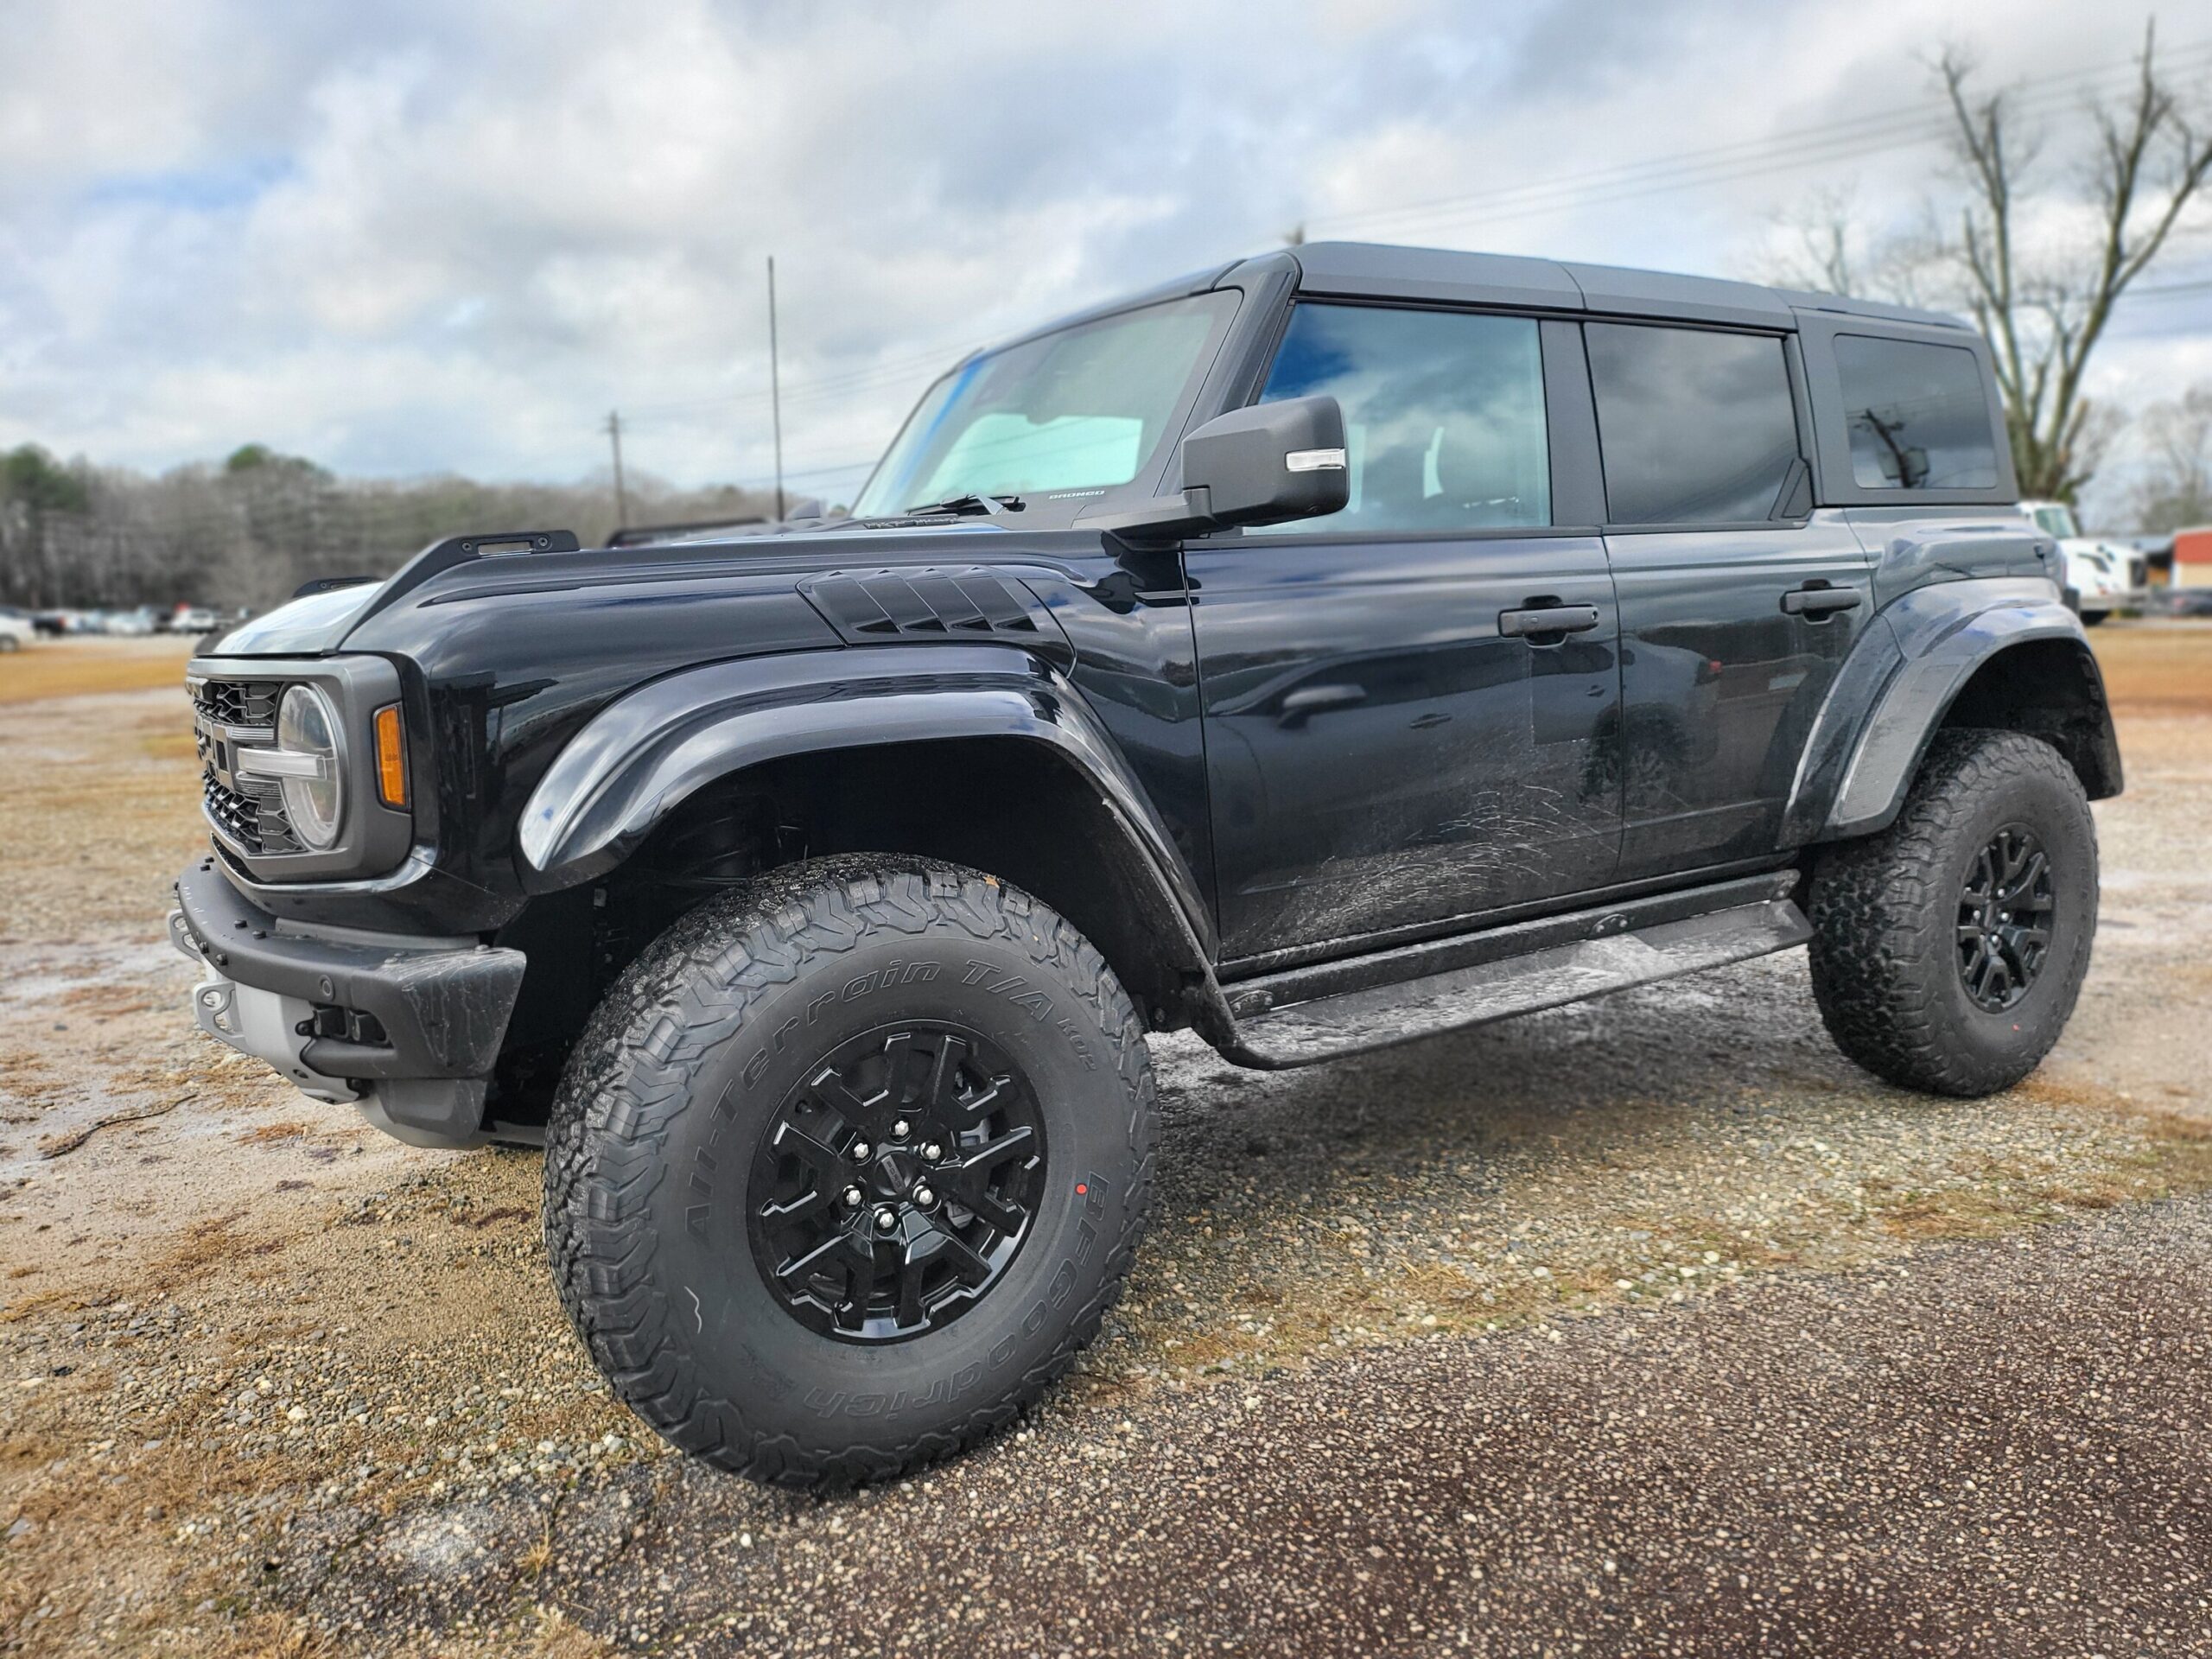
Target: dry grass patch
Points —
{"points": [[88, 668], [268, 1134], [110, 1001], [2164, 669]]}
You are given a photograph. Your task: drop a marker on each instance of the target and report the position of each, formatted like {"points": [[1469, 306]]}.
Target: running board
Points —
{"points": [[1545, 977]]}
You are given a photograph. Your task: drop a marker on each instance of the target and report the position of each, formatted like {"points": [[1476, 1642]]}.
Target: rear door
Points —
{"points": [[1737, 601], [1396, 735]]}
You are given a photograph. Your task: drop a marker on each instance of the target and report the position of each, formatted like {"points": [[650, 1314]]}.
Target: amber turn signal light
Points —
{"points": [[392, 758]]}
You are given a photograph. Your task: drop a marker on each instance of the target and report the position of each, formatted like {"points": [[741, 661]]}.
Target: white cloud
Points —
{"points": [[421, 237]]}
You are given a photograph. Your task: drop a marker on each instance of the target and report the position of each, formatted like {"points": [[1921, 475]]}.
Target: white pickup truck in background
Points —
{"points": [[2097, 573]]}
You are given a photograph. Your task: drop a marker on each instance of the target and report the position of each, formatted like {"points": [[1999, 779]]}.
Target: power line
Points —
{"points": [[1847, 138], [2162, 290], [1843, 139]]}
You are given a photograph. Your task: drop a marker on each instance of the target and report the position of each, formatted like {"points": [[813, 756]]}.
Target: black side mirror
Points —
{"points": [[1270, 463], [1264, 465]]}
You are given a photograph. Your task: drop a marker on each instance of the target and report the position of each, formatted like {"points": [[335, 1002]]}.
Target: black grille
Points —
{"points": [[253, 817], [250, 816], [239, 703]]}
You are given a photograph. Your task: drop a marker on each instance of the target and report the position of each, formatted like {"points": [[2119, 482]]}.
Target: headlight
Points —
{"points": [[312, 778]]}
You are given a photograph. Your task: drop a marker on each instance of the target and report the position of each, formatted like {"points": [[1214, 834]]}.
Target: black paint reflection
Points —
{"points": [[1380, 755]]}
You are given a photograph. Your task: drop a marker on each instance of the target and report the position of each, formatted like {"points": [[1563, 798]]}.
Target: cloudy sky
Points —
{"points": [[408, 238]]}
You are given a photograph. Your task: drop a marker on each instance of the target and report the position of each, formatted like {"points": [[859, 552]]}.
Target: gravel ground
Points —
{"points": [[1643, 1326]]}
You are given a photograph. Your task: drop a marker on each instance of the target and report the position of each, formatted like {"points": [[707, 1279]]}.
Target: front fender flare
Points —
{"points": [[1899, 683], [643, 754]]}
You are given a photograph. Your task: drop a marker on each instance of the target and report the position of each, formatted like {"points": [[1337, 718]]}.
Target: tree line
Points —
{"points": [[248, 530]]}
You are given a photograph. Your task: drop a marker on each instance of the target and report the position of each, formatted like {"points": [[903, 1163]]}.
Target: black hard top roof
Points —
{"points": [[1361, 270], [1384, 270]]}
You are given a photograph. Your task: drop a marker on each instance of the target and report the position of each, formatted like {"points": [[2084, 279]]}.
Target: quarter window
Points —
{"points": [[1444, 415], [1918, 414], [1696, 427]]}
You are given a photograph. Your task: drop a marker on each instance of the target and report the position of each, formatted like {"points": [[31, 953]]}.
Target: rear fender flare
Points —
{"points": [[641, 756], [1897, 686]]}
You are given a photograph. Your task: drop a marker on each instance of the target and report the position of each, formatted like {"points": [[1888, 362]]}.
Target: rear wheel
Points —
{"points": [[1948, 951], [847, 1166]]}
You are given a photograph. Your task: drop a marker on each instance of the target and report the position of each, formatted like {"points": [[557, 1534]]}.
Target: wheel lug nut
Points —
{"points": [[901, 1129], [924, 1196], [860, 1150], [853, 1196], [932, 1151], [886, 1219]]}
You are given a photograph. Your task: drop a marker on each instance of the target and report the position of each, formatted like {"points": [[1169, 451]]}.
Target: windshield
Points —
{"points": [[2057, 521], [1083, 410]]}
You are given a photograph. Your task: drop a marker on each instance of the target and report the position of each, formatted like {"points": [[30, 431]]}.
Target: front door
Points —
{"points": [[1397, 734]]}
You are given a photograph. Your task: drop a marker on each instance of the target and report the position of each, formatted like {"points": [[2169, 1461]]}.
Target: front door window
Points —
{"points": [[1444, 415]]}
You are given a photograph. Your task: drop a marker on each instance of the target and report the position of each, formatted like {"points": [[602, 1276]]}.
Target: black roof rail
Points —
{"points": [[441, 557]]}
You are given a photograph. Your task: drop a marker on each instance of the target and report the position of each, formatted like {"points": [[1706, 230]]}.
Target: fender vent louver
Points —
{"points": [[870, 607]]}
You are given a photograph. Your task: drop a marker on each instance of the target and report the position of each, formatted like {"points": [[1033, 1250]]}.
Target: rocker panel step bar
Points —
{"points": [[1547, 976]]}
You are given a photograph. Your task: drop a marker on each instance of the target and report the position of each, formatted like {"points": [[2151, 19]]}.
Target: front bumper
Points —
{"points": [[425, 1017]]}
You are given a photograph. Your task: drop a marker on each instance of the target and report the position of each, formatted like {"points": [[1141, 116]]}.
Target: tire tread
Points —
{"points": [[687, 993]]}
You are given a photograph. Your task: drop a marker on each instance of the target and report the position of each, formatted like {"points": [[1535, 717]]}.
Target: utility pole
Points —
{"points": [[775, 389], [621, 494]]}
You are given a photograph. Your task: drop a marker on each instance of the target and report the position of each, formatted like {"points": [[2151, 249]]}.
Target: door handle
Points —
{"points": [[1312, 699], [1817, 601], [1547, 618]]}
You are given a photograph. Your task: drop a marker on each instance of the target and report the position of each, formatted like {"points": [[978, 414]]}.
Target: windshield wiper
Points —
{"points": [[964, 507]]}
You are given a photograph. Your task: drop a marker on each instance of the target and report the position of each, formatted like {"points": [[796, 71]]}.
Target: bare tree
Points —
{"points": [[2176, 492], [1828, 243], [2046, 314], [1837, 248]]}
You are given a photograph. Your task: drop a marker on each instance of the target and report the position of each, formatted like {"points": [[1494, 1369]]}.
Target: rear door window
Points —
{"points": [[1695, 426], [1918, 414]]}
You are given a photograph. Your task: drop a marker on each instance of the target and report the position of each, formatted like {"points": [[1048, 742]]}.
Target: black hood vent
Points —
{"points": [[879, 607]]}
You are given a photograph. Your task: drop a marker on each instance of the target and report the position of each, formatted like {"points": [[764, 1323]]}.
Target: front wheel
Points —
{"points": [[1949, 949], [847, 1166]]}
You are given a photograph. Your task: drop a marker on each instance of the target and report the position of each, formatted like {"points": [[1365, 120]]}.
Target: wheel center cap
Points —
{"points": [[893, 1174]]}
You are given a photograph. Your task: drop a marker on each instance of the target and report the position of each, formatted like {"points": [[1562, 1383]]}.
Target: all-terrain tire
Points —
{"points": [[1886, 919], [687, 1064]]}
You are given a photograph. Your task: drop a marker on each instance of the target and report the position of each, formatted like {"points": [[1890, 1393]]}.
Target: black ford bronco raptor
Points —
{"points": [[1347, 645]]}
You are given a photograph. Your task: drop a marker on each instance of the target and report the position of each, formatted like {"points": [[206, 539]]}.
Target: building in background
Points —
{"points": [[2193, 557]]}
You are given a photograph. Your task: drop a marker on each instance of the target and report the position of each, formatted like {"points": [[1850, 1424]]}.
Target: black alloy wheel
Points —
{"points": [[2006, 909], [896, 1182]]}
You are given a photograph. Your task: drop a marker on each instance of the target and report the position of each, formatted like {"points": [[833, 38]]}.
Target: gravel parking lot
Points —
{"points": [[1645, 1327]]}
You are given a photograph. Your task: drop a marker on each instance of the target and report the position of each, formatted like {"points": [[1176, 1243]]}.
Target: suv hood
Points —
{"points": [[318, 623], [307, 626]]}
